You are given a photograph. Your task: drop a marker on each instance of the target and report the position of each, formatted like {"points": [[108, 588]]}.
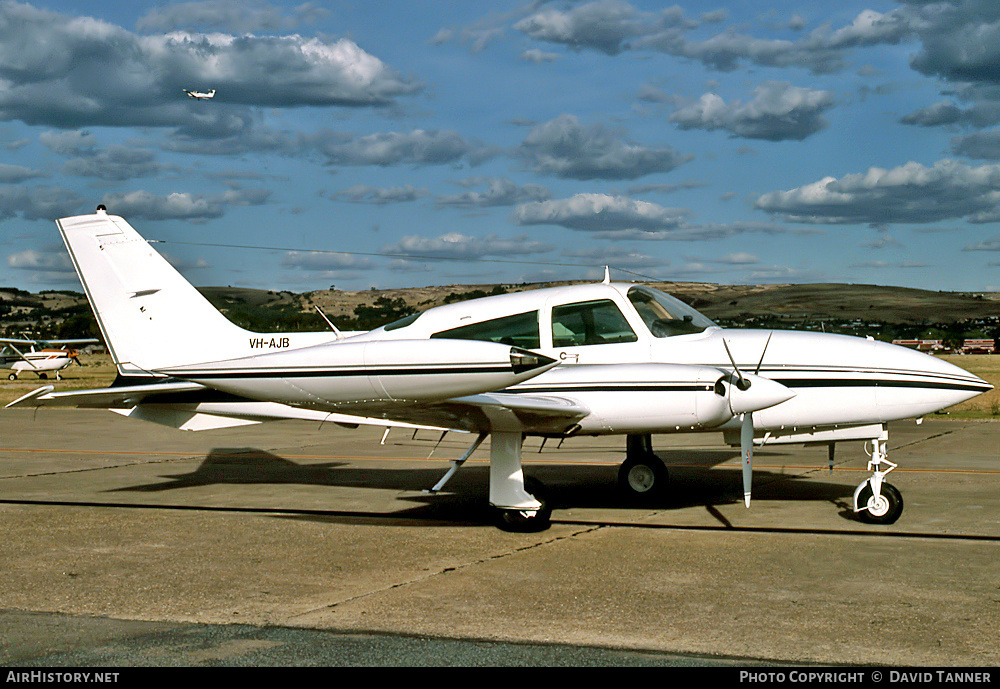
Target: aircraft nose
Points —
{"points": [[924, 385]]}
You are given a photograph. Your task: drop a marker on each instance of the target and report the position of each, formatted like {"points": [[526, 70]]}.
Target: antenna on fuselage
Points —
{"points": [[339, 334], [607, 275]]}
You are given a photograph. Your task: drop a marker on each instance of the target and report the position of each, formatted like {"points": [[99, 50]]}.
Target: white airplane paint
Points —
{"points": [[200, 95], [41, 358], [634, 362]]}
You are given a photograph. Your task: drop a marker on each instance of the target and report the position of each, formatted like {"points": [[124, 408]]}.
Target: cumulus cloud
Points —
{"points": [[15, 174], [910, 193], [565, 148], [417, 147], [600, 213], [983, 145], [236, 16], [613, 27], [778, 111], [617, 257], [607, 25], [42, 203], [538, 57], [380, 196], [960, 41], [456, 245], [325, 261], [47, 260], [180, 205], [985, 245], [116, 162], [499, 192], [66, 72]]}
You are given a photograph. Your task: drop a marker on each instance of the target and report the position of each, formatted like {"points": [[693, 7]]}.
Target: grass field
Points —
{"points": [[98, 372], [95, 371]]}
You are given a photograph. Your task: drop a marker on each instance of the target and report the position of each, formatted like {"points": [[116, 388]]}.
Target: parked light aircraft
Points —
{"points": [[42, 358], [201, 95], [633, 361]]}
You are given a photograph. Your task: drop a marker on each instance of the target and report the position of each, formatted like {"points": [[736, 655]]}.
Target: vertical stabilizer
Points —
{"points": [[151, 317]]}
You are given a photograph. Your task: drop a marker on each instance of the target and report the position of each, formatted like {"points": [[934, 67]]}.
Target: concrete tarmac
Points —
{"points": [[116, 531]]}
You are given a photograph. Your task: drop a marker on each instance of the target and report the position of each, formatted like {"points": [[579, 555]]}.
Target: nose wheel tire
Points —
{"points": [[884, 510]]}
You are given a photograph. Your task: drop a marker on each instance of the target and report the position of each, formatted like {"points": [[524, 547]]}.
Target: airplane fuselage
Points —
{"points": [[36, 361], [617, 357]]}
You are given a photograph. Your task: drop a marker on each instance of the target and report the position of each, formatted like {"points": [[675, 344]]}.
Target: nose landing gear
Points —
{"points": [[875, 501]]}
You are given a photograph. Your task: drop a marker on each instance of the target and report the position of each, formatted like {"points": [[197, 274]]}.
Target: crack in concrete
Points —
{"points": [[450, 569]]}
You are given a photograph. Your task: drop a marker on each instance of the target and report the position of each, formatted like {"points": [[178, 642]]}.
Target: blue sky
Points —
{"points": [[360, 142]]}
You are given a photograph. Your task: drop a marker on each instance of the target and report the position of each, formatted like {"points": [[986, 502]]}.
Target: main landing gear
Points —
{"points": [[875, 501], [642, 475], [520, 504]]}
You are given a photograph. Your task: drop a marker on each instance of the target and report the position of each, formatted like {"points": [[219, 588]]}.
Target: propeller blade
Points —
{"points": [[742, 383], [763, 352], [746, 450]]}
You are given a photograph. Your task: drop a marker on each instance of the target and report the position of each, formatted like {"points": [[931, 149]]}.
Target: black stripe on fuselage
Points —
{"points": [[795, 383], [879, 383], [615, 387], [337, 373]]}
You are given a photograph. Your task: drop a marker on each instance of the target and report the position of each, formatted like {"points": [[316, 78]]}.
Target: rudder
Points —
{"points": [[151, 317]]}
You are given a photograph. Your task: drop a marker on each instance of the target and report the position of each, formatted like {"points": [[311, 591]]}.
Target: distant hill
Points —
{"points": [[56, 313], [887, 304]]}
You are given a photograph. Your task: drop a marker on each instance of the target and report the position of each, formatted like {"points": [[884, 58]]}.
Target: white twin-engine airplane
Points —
{"points": [[201, 95], [41, 358], [443, 368]]}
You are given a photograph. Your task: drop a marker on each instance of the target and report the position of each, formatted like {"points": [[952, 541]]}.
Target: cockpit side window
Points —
{"points": [[590, 323], [664, 315], [520, 330]]}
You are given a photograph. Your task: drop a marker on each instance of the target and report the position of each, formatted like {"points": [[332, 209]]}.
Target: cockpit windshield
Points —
{"points": [[664, 315]]}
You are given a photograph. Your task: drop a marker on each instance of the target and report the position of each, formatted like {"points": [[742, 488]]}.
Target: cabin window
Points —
{"points": [[665, 315], [402, 322], [520, 330], [590, 323]]}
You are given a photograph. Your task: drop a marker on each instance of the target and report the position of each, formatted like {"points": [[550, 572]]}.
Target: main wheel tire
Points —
{"points": [[525, 521], [643, 477], [885, 510]]}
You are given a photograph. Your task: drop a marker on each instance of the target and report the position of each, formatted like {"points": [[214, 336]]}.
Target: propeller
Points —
{"points": [[767, 394]]}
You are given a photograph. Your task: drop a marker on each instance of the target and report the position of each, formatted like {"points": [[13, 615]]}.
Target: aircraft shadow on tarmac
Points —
{"points": [[696, 480]]}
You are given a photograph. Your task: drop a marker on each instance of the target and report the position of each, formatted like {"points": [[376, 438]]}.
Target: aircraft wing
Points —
{"points": [[192, 406], [486, 412], [102, 398]]}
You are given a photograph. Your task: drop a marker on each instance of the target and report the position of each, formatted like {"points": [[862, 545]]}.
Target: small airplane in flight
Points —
{"points": [[201, 95], [632, 361], [42, 356]]}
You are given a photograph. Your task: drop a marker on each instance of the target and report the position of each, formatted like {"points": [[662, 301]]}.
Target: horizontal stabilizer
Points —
{"points": [[101, 398]]}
